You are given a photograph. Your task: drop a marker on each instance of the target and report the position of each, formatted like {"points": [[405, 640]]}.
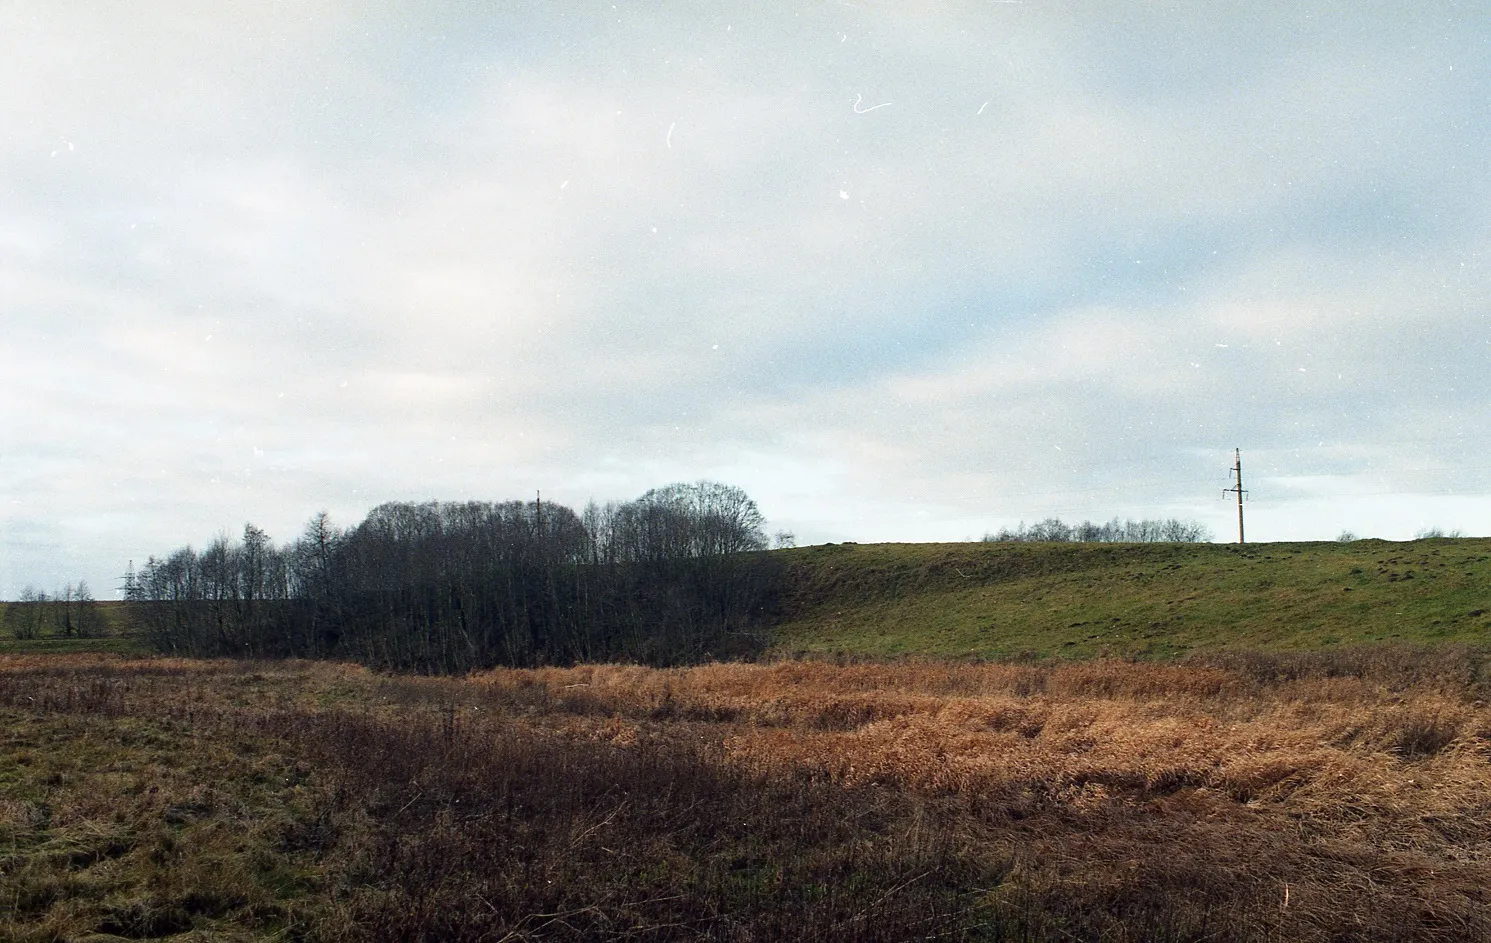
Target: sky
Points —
{"points": [[904, 271]]}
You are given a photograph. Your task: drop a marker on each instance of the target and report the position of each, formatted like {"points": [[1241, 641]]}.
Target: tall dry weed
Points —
{"points": [[1255, 798]]}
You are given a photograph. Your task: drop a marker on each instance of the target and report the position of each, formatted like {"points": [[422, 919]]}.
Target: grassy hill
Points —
{"points": [[1145, 600]]}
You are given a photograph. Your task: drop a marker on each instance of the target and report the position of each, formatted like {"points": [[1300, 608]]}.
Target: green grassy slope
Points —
{"points": [[1148, 600]]}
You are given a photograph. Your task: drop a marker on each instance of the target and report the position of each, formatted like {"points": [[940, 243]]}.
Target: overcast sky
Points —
{"points": [[902, 270]]}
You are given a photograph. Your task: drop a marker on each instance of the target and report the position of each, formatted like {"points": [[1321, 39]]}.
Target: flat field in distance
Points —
{"points": [[1132, 600], [1298, 796]]}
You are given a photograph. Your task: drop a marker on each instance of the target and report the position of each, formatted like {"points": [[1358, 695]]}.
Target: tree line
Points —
{"points": [[70, 612], [671, 577], [1054, 530]]}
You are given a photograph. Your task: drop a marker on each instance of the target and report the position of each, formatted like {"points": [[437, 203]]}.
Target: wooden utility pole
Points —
{"points": [[1236, 472]]}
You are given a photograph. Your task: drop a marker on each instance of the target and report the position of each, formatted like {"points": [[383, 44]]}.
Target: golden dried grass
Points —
{"points": [[1297, 800], [1366, 789]]}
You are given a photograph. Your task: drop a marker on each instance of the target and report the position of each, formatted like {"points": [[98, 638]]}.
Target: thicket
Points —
{"points": [[671, 577], [70, 612], [1055, 530]]}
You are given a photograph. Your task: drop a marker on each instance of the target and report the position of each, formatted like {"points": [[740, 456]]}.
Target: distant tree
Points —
{"points": [[315, 578], [683, 521], [1051, 530], [1177, 531], [260, 578], [88, 620], [434, 586], [1346, 537], [1088, 532], [784, 539], [64, 612], [23, 618], [1054, 530]]}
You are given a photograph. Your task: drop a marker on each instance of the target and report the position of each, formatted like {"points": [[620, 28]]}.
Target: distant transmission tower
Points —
{"points": [[1236, 473]]}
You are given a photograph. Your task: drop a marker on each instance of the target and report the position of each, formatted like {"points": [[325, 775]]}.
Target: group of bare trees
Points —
{"points": [[669, 577], [70, 612], [1053, 529]]}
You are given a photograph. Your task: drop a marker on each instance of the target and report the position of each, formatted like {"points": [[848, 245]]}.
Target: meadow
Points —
{"points": [[1337, 795]]}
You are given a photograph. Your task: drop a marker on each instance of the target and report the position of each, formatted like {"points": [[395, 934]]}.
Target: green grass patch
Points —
{"points": [[116, 644], [140, 828], [117, 635], [1132, 600]]}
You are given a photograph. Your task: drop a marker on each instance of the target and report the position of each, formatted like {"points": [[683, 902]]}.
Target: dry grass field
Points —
{"points": [[1315, 797]]}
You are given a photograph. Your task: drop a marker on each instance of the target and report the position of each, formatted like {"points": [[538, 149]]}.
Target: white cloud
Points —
{"points": [[469, 253]]}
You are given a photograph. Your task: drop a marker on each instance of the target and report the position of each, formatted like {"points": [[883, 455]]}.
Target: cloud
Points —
{"points": [[259, 262]]}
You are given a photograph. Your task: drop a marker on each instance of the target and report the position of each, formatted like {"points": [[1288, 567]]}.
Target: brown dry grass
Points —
{"points": [[1249, 798]]}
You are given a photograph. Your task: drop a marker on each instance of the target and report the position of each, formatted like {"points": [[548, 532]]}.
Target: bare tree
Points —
{"points": [[64, 611], [1052, 529], [454, 586], [89, 621], [24, 617]]}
